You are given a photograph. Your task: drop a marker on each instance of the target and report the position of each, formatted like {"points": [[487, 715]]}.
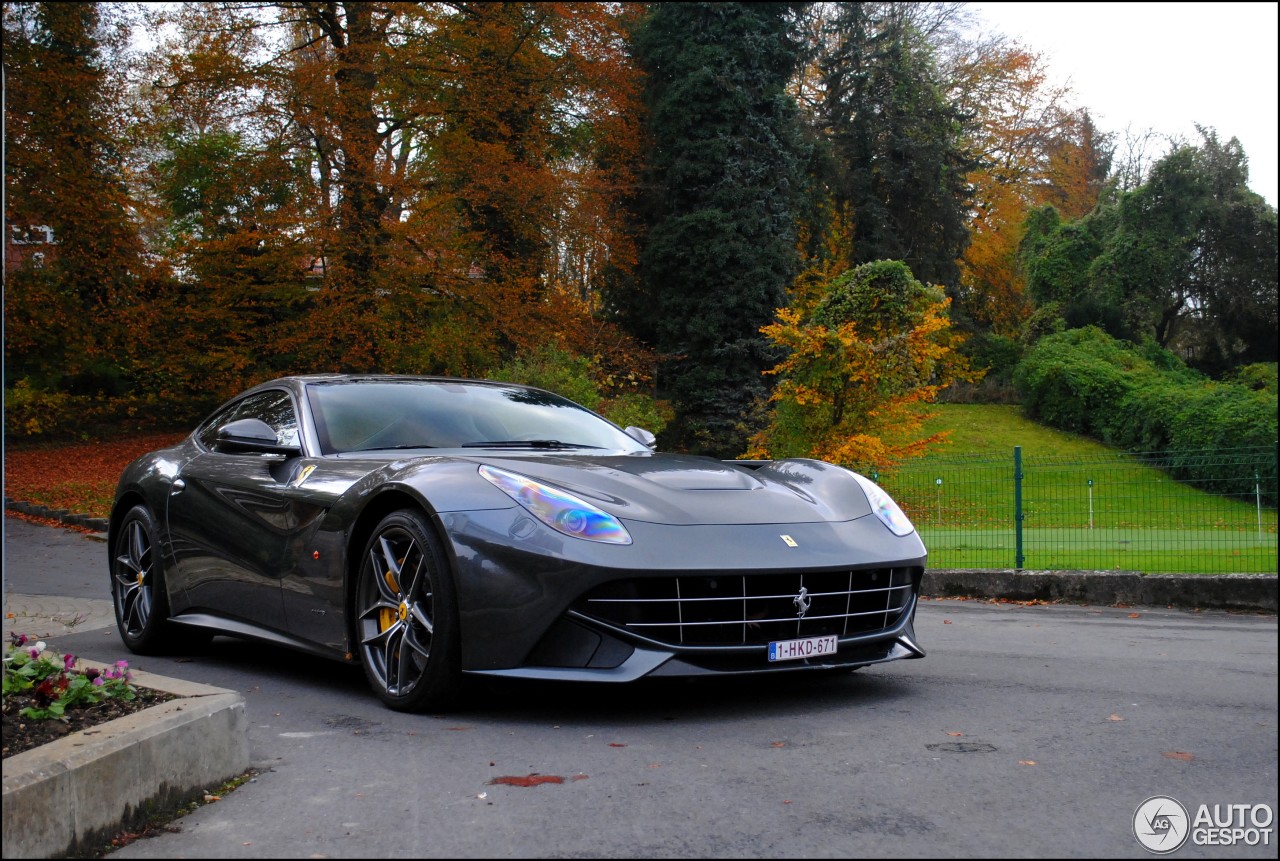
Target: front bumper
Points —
{"points": [[525, 597]]}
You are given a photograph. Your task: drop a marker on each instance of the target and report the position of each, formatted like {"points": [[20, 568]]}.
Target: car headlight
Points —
{"points": [[884, 507], [562, 511]]}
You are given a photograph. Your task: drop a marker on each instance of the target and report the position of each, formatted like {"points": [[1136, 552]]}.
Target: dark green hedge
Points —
{"points": [[1144, 399]]}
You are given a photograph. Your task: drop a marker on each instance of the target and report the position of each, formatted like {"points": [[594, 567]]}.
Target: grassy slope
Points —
{"points": [[992, 430], [1133, 517]]}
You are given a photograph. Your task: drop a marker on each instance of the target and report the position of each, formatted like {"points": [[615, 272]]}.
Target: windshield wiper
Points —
{"points": [[390, 447], [527, 443]]}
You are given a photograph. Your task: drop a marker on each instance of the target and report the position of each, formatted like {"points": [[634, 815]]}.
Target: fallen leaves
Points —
{"points": [[1114, 717], [80, 477], [1180, 755], [1026, 762]]}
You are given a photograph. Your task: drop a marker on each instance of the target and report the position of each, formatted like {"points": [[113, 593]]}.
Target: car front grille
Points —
{"points": [[735, 609]]}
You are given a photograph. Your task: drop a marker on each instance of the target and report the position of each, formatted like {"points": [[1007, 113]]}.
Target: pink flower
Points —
{"points": [[68, 662], [97, 680]]}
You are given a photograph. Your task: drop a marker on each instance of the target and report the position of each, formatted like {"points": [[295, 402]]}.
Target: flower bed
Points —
{"points": [[48, 696]]}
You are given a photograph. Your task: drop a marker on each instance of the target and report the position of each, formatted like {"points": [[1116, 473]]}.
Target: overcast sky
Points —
{"points": [[1162, 66]]}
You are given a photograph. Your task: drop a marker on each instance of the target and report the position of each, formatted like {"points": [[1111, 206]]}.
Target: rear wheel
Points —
{"points": [[406, 616], [137, 585]]}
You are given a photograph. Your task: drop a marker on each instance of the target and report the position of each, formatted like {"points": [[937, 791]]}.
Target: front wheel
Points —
{"points": [[406, 616], [137, 585]]}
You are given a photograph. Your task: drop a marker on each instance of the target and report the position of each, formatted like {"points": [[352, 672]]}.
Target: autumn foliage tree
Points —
{"points": [[860, 369], [453, 172], [1029, 148], [67, 316]]}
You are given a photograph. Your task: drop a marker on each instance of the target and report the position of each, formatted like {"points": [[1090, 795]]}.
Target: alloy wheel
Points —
{"points": [[132, 578], [397, 610]]}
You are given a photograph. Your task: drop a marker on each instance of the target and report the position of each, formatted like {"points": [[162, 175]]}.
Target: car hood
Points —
{"points": [[688, 490]]}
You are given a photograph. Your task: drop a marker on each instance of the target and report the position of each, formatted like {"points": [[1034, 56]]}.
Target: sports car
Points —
{"points": [[429, 528]]}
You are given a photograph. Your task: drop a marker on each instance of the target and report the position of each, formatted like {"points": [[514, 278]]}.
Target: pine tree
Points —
{"points": [[725, 171], [898, 142]]}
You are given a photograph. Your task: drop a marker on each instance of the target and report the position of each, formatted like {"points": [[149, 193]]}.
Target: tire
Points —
{"points": [[406, 616], [137, 585]]}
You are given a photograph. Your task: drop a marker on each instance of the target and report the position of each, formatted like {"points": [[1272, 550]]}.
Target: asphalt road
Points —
{"points": [[1027, 732]]}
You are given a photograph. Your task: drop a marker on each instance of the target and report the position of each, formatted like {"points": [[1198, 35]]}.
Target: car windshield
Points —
{"points": [[370, 415]]}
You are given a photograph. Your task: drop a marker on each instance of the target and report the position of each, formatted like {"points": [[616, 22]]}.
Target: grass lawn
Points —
{"points": [[1084, 505]]}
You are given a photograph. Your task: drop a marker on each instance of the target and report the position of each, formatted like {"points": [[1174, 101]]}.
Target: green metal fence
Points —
{"points": [[1119, 512]]}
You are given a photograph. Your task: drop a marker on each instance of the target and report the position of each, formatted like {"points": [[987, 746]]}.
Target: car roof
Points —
{"points": [[303, 379]]}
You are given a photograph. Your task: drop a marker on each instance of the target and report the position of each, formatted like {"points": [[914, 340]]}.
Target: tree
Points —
{"points": [[1187, 259], [724, 174], [67, 323], [443, 161], [1030, 150], [859, 368], [1194, 256], [898, 141]]}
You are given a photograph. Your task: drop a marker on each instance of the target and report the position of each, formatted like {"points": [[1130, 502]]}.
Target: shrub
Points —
{"points": [[555, 369], [996, 357], [637, 409], [1071, 379], [1260, 376], [1143, 398], [33, 411]]}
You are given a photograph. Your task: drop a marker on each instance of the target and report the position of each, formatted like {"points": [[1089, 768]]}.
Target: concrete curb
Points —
{"points": [[71, 794], [62, 515], [1252, 592]]}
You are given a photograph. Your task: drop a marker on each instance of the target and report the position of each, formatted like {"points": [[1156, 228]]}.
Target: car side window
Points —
{"points": [[207, 433], [273, 407]]}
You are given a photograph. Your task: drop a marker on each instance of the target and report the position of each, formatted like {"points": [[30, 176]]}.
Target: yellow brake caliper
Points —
{"points": [[388, 616]]}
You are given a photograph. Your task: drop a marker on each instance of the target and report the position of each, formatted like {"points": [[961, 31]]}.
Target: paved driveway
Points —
{"points": [[1027, 732]]}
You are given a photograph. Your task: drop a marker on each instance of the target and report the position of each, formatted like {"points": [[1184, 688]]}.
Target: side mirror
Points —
{"points": [[251, 435], [641, 435]]}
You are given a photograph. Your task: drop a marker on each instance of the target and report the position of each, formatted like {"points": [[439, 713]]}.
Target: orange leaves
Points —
{"points": [[851, 386], [1034, 151]]}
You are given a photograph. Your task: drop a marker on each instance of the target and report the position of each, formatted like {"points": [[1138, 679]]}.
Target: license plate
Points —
{"points": [[809, 647]]}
